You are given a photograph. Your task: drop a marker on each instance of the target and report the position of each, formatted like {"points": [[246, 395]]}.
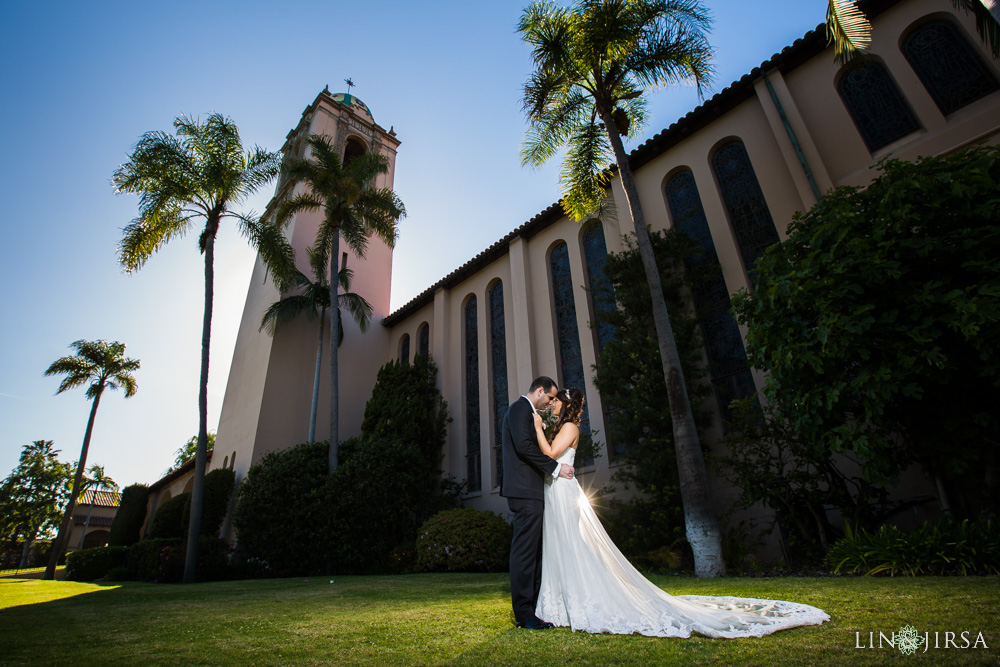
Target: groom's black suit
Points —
{"points": [[524, 472]]}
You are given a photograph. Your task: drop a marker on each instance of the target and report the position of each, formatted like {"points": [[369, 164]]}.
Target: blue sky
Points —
{"points": [[82, 82]]}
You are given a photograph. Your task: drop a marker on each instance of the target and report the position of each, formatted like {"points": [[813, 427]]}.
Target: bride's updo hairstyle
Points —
{"points": [[572, 409]]}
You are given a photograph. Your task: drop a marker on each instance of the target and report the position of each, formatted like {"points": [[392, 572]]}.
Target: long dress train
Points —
{"points": [[588, 585]]}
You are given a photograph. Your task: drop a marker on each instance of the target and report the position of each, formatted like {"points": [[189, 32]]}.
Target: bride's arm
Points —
{"points": [[543, 444], [565, 438]]}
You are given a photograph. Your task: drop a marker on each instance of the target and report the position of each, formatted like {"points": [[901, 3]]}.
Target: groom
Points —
{"points": [[524, 472]]}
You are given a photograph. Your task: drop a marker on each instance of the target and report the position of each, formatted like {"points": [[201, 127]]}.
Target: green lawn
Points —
{"points": [[460, 619]]}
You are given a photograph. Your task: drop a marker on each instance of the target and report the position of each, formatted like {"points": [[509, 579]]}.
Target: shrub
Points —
{"points": [[144, 558], [282, 515], [131, 513], [945, 547], [377, 494], [168, 521], [91, 564], [218, 490], [173, 517], [464, 540]]}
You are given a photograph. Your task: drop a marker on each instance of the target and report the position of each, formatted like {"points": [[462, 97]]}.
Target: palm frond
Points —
{"points": [[358, 307], [987, 25], [285, 310], [847, 29], [584, 174], [269, 241], [100, 363]]}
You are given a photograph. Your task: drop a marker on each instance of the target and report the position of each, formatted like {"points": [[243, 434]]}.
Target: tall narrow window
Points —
{"points": [[751, 219], [424, 340], [948, 66], [876, 104], [601, 293], [730, 371], [602, 300], [404, 349], [498, 370], [473, 472], [567, 332]]}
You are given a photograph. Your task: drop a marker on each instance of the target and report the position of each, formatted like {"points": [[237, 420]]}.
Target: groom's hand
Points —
{"points": [[566, 471]]}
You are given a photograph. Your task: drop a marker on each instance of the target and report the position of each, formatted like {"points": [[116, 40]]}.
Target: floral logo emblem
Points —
{"points": [[908, 640]]}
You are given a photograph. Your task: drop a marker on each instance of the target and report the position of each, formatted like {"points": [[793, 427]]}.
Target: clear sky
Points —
{"points": [[82, 82]]}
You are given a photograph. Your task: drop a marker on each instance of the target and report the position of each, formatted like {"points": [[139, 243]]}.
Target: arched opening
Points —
{"points": [[353, 149]]}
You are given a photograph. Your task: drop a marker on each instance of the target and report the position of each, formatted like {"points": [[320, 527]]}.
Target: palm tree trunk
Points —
{"points": [[319, 365], [334, 328], [700, 522], [65, 526], [86, 524], [201, 456]]}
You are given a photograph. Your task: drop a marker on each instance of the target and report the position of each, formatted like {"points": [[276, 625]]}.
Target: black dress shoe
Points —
{"points": [[534, 623]]}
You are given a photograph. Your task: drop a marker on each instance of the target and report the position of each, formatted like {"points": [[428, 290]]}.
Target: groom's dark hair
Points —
{"points": [[544, 382]]}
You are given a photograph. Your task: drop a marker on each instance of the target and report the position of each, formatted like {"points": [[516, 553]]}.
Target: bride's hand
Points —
{"points": [[538, 420]]}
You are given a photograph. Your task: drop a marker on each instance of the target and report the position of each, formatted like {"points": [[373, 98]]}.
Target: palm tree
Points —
{"points": [[313, 300], [353, 208], [593, 63], [97, 481], [849, 31], [100, 365], [202, 173]]}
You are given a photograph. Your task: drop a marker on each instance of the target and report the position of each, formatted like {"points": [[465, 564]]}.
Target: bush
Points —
{"points": [[144, 558], [464, 540], [131, 513], [377, 494], [945, 547], [218, 490], [91, 564], [168, 521], [282, 516], [162, 560], [173, 517]]}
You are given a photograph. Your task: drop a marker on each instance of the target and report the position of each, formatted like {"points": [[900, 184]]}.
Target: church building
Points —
{"points": [[734, 170]]}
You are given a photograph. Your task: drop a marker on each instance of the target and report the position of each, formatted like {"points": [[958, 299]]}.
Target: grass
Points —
{"points": [[460, 619]]}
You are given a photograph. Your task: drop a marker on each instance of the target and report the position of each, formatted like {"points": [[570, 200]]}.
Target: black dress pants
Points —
{"points": [[525, 556]]}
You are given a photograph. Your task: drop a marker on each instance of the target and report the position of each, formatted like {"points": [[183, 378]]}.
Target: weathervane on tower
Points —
{"points": [[350, 84]]}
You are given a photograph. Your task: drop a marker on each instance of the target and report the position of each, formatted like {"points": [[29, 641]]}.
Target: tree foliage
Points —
{"points": [[630, 380], [188, 451], [877, 323], [33, 495]]}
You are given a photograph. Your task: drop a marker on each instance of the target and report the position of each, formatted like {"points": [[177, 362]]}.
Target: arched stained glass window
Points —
{"points": [[498, 369], [752, 224], [876, 104], [424, 340], [567, 332], [600, 290], [473, 472], [404, 349], [730, 371], [948, 66], [602, 300]]}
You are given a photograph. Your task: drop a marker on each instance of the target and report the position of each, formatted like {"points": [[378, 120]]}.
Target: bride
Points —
{"points": [[588, 585]]}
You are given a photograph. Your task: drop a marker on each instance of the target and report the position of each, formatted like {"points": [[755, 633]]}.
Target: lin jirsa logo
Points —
{"points": [[909, 641]]}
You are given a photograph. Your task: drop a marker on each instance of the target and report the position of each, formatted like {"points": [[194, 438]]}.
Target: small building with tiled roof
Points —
{"points": [[92, 517]]}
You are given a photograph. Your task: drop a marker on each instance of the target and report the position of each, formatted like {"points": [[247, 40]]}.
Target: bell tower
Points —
{"points": [[269, 393]]}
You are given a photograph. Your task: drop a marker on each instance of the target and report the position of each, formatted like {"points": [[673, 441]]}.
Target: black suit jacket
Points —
{"points": [[524, 465]]}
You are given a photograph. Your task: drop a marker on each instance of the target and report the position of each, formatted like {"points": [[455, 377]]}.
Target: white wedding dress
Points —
{"points": [[588, 585]]}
